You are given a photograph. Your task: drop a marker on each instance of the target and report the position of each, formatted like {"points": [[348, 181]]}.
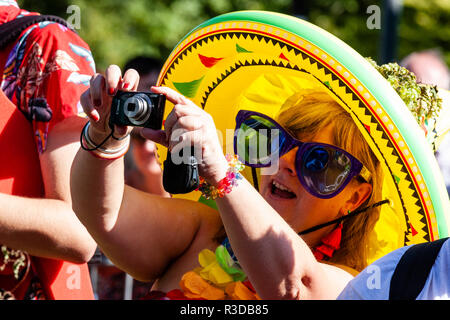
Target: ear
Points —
{"points": [[359, 195]]}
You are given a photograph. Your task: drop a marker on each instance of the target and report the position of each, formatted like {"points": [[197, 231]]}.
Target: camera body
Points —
{"points": [[145, 109], [137, 109]]}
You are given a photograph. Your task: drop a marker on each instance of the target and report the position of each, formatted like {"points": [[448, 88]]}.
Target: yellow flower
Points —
{"points": [[211, 269]]}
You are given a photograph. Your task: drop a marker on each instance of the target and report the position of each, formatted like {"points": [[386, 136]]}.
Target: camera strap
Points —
{"points": [[84, 133], [347, 216]]}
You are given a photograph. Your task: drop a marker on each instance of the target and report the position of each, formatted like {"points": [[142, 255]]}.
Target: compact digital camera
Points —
{"points": [[138, 109], [145, 109]]}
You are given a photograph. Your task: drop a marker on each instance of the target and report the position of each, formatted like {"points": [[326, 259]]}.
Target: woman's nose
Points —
{"points": [[287, 162]]}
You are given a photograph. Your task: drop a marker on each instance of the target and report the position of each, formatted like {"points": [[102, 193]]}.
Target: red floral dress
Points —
{"points": [[44, 73]]}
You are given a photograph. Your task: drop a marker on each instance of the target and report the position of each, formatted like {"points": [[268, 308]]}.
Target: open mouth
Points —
{"points": [[281, 191]]}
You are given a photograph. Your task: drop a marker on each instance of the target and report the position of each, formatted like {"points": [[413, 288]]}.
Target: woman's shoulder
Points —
{"points": [[329, 279], [347, 269]]}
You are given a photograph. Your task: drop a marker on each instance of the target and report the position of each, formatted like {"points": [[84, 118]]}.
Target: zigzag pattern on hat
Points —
{"points": [[245, 44]]}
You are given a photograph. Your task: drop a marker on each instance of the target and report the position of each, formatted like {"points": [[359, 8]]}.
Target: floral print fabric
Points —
{"points": [[44, 73]]}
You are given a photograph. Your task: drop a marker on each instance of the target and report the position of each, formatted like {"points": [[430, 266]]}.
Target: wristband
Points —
{"points": [[225, 185], [97, 150]]}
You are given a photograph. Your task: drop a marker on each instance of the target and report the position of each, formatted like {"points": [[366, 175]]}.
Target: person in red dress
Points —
{"points": [[44, 247]]}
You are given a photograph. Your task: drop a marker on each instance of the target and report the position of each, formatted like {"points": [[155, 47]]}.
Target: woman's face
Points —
{"points": [[145, 155], [300, 209]]}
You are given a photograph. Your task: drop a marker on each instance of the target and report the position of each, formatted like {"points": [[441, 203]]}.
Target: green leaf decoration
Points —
{"points": [[228, 265], [188, 89], [209, 202], [241, 49]]}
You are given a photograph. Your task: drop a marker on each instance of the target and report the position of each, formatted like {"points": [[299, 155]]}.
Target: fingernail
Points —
{"points": [[125, 85], [111, 91], [95, 116]]}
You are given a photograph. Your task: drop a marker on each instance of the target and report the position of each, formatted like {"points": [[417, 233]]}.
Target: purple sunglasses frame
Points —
{"points": [[356, 167]]}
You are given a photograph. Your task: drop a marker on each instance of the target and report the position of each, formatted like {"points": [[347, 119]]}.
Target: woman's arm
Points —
{"points": [[141, 233], [277, 261], [279, 264], [44, 228], [48, 227]]}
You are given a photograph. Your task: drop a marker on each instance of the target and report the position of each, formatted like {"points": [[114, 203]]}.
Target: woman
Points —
{"points": [[160, 238]]}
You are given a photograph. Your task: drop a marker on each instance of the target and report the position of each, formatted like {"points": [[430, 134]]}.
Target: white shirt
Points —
{"points": [[373, 283]]}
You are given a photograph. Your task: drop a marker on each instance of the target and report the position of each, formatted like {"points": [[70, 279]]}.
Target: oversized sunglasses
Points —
{"points": [[324, 170]]}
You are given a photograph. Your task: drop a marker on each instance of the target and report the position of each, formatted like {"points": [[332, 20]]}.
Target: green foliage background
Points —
{"points": [[117, 30]]}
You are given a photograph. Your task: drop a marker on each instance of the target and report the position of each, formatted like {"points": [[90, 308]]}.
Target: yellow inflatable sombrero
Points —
{"points": [[255, 60]]}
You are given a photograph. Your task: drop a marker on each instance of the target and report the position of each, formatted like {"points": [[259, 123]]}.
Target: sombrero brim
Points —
{"points": [[217, 62]]}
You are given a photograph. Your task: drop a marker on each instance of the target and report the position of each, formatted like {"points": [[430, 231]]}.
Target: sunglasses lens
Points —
{"points": [[257, 140], [316, 160], [324, 169]]}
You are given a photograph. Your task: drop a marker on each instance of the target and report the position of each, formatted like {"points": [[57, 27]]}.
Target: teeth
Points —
{"points": [[281, 187]]}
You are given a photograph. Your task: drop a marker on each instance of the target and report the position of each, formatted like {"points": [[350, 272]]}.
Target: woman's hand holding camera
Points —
{"points": [[96, 103], [186, 125], [189, 125]]}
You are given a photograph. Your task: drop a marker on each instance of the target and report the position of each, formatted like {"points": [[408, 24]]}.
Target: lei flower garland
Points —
{"points": [[219, 277]]}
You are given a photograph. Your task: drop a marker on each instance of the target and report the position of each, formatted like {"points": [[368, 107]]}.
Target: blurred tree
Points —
{"points": [[425, 24], [55, 7], [347, 20], [117, 30]]}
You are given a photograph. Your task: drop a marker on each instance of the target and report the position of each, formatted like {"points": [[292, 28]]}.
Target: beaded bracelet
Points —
{"points": [[226, 184]]}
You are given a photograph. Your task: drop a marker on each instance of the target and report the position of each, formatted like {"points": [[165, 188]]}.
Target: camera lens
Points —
{"points": [[131, 107], [138, 109]]}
